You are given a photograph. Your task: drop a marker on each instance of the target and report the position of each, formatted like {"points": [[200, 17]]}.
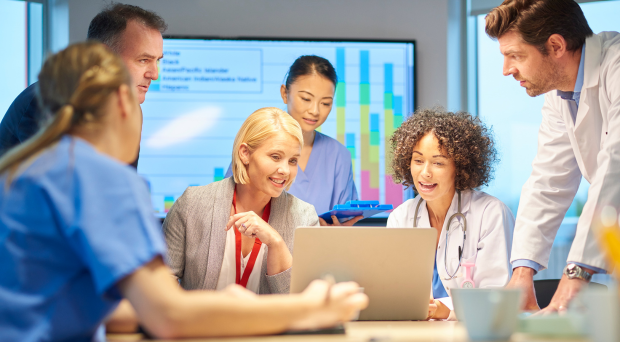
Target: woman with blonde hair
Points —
{"points": [[240, 230], [325, 172], [77, 232]]}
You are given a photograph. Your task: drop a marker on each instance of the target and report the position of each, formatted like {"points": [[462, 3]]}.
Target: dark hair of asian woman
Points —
{"points": [[309, 65]]}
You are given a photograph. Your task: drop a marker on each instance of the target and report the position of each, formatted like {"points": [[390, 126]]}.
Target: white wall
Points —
{"points": [[426, 21]]}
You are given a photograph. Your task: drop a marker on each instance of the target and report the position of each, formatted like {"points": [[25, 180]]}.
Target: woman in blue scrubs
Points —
{"points": [[77, 232], [325, 174]]}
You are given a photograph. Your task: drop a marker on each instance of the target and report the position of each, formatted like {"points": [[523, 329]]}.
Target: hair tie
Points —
{"points": [[68, 106], [91, 72]]}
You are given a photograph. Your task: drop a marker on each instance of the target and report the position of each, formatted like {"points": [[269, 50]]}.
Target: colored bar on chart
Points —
{"points": [[393, 192], [341, 96], [168, 202], [374, 130], [393, 119], [218, 174], [398, 111], [388, 113], [373, 153], [388, 102], [370, 157], [364, 115], [350, 138], [368, 193]]}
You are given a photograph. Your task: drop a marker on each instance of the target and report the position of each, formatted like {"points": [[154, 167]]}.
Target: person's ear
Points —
{"points": [[244, 153], [284, 94], [125, 100], [556, 45]]}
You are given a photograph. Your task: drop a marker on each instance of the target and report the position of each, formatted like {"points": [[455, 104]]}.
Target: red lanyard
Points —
{"points": [[243, 280]]}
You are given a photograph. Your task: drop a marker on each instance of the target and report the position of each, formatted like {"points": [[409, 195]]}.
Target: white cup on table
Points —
{"points": [[488, 314], [601, 310]]}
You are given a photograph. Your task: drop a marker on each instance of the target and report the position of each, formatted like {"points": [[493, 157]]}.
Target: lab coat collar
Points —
{"points": [[582, 64], [424, 220], [592, 61], [465, 201], [591, 77]]}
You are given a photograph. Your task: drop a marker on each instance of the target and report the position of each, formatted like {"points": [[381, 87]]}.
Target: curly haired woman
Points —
{"points": [[446, 156]]}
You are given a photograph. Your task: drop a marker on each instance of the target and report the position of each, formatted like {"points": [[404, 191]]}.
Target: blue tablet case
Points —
{"points": [[349, 210]]}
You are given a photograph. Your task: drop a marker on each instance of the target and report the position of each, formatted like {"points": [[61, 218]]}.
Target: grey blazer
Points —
{"points": [[194, 230]]}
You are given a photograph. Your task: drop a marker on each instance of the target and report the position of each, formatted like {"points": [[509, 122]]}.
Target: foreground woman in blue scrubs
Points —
{"points": [[325, 175], [77, 232]]}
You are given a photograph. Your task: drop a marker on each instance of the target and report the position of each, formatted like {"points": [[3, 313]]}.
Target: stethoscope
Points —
{"points": [[457, 214]]}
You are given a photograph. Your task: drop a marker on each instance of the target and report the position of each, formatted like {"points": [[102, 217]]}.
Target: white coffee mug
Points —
{"points": [[601, 310], [488, 314]]}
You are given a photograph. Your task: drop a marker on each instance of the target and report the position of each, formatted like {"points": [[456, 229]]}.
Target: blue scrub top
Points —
{"points": [[438, 290], [328, 179], [72, 224]]}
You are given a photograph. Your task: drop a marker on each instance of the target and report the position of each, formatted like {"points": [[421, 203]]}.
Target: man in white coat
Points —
{"points": [[550, 49]]}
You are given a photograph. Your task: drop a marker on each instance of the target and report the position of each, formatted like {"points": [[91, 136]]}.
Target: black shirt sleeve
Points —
{"points": [[21, 120]]}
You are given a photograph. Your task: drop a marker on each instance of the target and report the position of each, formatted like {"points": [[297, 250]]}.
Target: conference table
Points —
{"points": [[437, 331]]}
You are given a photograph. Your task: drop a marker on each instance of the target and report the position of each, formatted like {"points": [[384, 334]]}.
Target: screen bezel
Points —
{"points": [[414, 82]]}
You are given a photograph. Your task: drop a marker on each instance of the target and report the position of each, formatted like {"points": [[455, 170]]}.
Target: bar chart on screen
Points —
{"points": [[207, 88], [372, 86]]}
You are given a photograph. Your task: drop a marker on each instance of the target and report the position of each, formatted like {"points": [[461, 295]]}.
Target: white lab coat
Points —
{"points": [[590, 147], [489, 228]]}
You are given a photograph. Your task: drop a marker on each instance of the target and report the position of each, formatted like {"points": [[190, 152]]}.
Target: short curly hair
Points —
{"points": [[465, 139]]}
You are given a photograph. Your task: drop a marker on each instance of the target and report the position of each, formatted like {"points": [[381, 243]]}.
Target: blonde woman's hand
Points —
{"points": [[238, 291], [252, 225], [330, 305]]}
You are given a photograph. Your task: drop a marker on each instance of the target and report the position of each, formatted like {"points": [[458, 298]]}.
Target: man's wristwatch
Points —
{"points": [[573, 271]]}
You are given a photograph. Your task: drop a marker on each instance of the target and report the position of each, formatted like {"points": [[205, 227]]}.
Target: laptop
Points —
{"points": [[394, 266]]}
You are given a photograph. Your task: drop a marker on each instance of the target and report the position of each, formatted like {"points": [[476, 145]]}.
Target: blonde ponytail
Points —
{"points": [[73, 85]]}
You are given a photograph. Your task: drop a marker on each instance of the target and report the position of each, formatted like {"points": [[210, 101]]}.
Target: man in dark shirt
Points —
{"points": [[132, 32], [21, 120]]}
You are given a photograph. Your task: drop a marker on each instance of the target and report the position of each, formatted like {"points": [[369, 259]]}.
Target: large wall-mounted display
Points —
{"points": [[207, 87]]}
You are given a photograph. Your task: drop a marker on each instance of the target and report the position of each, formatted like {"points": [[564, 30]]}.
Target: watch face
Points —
{"points": [[572, 270], [468, 285]]}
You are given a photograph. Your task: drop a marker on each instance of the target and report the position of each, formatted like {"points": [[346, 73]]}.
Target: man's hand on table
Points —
{"points": [[567, 290], [523, 278]]}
